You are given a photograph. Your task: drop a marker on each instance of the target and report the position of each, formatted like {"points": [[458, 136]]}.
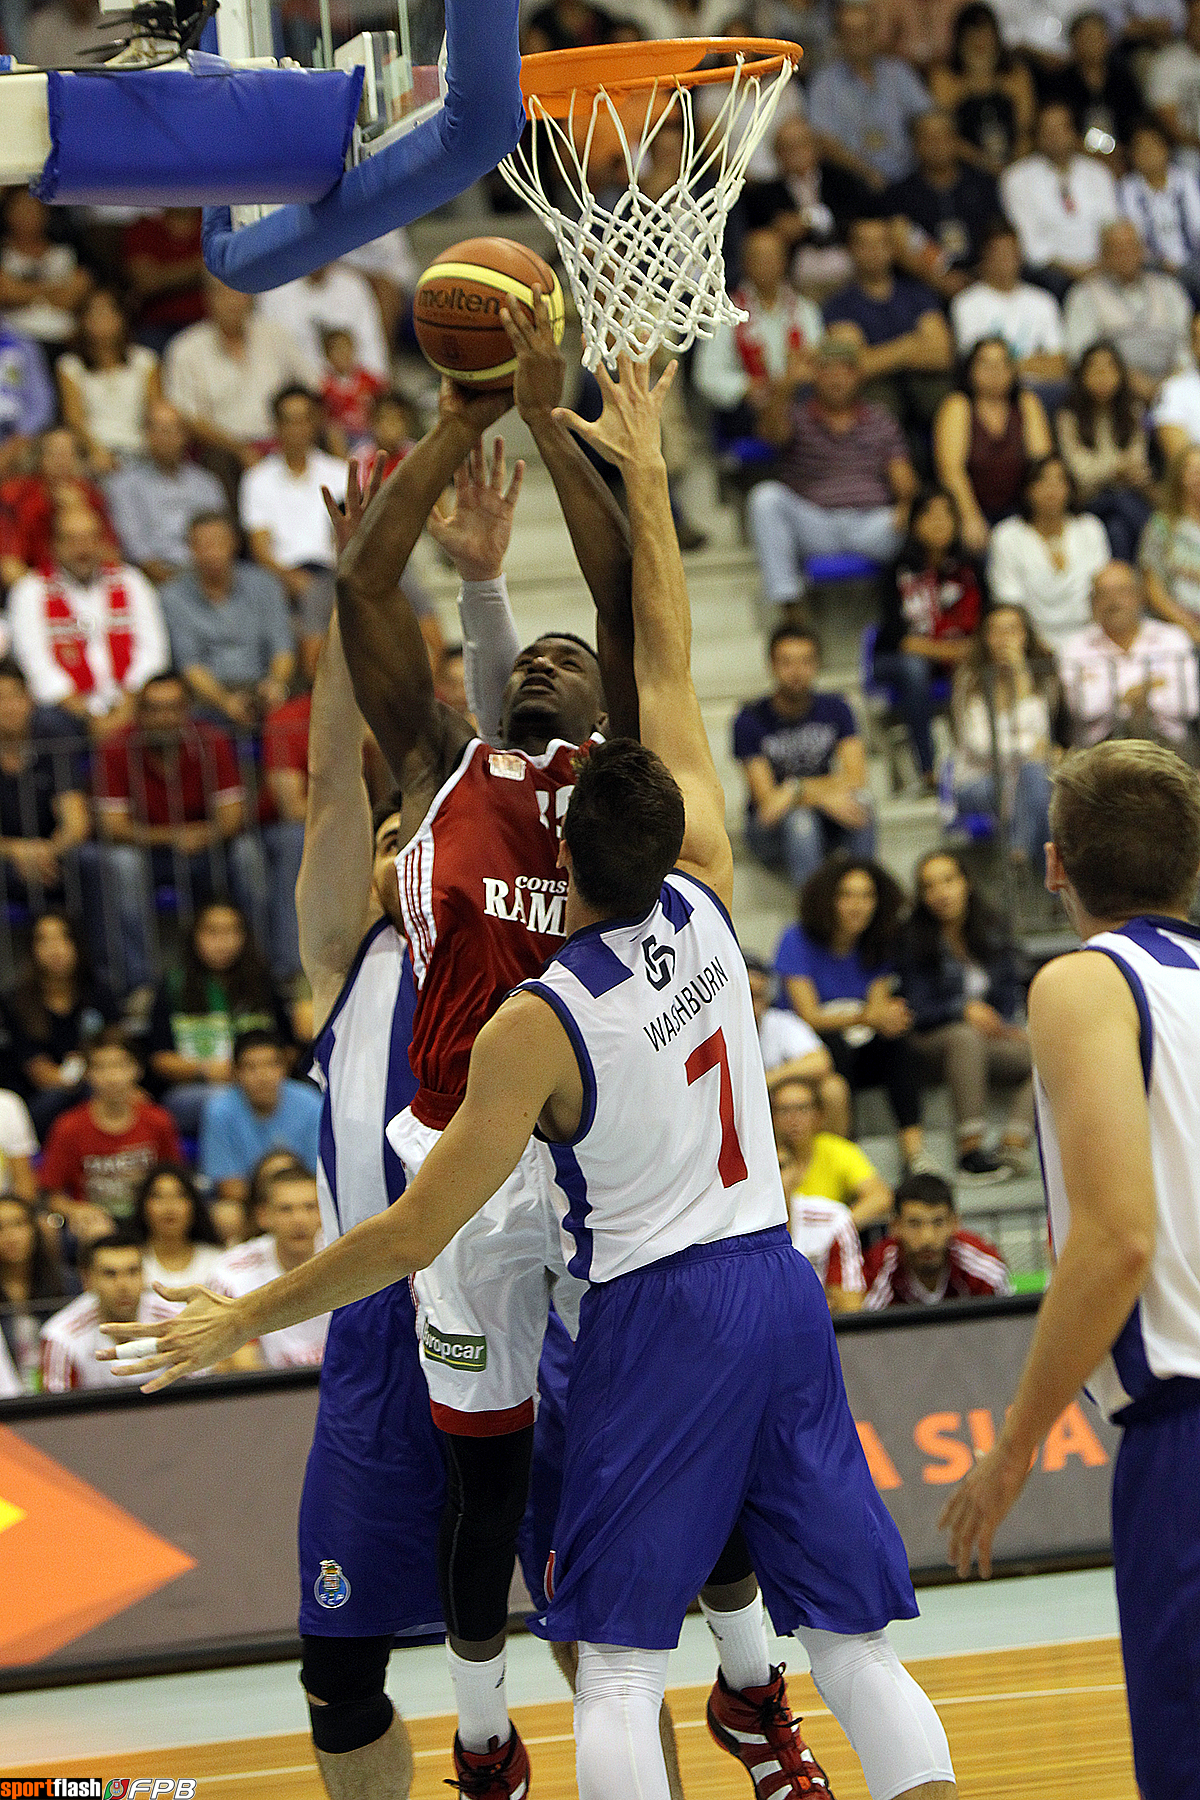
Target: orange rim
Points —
{"points": [[551, 79]]}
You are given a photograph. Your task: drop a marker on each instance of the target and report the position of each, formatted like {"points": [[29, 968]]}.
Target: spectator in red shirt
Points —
{"points": [[349, 392], [173, 809], [28, 504], [97, 1153], [927, 1257], [162, 258]]}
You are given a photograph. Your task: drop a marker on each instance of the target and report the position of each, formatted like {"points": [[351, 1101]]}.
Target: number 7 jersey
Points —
{"points": [[675, 1145]]}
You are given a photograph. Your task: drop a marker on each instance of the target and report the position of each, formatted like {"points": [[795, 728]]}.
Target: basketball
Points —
{"points": [[456, 309]]}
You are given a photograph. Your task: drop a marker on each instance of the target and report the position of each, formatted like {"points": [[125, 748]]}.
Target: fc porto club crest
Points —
{"points": [[331, 1589]]}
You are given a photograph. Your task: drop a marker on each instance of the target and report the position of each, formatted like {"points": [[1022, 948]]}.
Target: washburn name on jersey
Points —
{"points": [[692, 996], [537, 902]]}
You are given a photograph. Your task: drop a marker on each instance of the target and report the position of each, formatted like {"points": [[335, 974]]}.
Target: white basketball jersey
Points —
{"points": [[675, 1145], [360, 1060], [1160, 959]]}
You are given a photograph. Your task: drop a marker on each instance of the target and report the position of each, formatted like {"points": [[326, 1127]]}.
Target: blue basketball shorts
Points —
{"points": [[706, 1392], [371, 1507], [536, 1537], [1156, 1555]]}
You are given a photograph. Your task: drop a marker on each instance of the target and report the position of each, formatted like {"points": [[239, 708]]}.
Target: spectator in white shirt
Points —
{"points": [[790, 1047], [1046, 561], [825, 1233], [332, 298], [1146, 314], [1004, 700], [393, 272], [293, 1220], [1172, 86], [1162, 197], [1058, 200], [1169, 553], [180, 1246], [115, 1293], [1000, 304], [223, 374], [749, 373], [1126, 675], [1176, 412], [88, 633], [283, 514]]}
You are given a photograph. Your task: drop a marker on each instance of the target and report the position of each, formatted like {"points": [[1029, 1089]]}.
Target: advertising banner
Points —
{"points": [[141, 1532]]}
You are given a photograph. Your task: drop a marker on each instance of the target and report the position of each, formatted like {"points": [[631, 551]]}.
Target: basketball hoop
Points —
{"points": [[646, 269]]}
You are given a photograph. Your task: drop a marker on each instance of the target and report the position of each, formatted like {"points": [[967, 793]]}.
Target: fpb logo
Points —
{"points": [[123, 1787]]}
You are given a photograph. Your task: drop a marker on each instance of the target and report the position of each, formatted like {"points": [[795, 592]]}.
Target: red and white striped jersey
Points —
{"points": [[824, 1231], [250, 1266], [484, 903], [71, 1338], [974, 1269]]}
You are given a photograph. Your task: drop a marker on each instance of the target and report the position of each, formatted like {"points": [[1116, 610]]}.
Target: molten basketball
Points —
{"points": [[456, 309]]}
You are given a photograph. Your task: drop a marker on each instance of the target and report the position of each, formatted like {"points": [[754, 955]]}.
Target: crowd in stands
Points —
{"points": [[969, 258]]}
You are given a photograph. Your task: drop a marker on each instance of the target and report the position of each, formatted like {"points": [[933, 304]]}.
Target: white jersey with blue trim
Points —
{"points": [[360, 1059], [675, 1145], [1160, 959]]}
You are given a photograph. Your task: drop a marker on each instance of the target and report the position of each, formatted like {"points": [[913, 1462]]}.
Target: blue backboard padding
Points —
{"points": [[480, 123], [172, 138]]}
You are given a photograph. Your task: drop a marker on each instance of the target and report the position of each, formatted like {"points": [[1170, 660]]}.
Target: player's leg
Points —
{"points": [[831, 1562], [362, 1747], [1156, 1556], [618, 1705]]}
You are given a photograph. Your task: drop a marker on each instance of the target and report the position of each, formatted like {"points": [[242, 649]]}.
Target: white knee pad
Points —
{"points": [[890, 1721], [618, 1697]]}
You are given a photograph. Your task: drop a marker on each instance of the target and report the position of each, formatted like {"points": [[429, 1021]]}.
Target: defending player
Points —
{"points": [[1116, 1048], [374, 1485], [706, 1390]]}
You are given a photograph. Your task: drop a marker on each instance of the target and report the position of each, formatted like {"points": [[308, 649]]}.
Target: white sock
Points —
{"points": [[482, 1702], [741, 1644]]}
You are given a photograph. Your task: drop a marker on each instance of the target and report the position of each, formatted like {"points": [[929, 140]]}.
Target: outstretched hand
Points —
{"points": [[476, 533], [541, 367], [476, 412], [207, 1331], [347, 517], [629, 429]]}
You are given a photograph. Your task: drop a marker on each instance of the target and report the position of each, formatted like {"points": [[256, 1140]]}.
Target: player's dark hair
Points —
{"points": [[818, 906], [925, 1190], [624, 828], [260, 1181], [246, 1041], [43, 1271], [383, 810], [1125, 819], [200, 1231], [295, 390], [119, 1238]]}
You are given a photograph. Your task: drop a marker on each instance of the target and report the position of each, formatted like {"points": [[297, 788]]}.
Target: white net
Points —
{"points": [[644, 259]]}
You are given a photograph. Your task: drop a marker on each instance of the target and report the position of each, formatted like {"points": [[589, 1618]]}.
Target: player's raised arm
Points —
{"points": [[521, 1061], [598, 528], [385, 651], [629, 434]]}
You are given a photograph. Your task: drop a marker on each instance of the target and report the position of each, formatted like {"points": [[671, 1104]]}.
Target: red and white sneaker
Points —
{"points": [[759, 1728], [492, 1774]]}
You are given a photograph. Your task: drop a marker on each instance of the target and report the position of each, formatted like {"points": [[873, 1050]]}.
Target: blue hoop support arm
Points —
{"points": [[481, 121]]}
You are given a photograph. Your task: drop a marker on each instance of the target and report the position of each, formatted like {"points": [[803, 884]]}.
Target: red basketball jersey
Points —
{"points": [[484, 903]]}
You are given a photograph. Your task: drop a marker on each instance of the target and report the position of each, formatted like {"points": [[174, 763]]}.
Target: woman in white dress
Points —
{"points": [[180, 1246], [106, 383], [1047, 560]]}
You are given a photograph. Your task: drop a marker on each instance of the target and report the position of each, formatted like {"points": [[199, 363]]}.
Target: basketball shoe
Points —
{"points": [[492, 1774], [760, 1729]]}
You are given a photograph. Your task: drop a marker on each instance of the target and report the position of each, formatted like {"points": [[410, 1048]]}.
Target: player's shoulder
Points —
{"points": [[80, 1316], [1082, 984]]}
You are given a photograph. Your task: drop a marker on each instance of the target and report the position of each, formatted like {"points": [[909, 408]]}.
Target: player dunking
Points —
{"points": [[1116, 1047], [374, 1486], [706, 1390]]}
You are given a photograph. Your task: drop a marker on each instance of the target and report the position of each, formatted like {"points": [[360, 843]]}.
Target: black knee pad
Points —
{"points": [[487, 1486], [734, 1563], [347, 1674]]}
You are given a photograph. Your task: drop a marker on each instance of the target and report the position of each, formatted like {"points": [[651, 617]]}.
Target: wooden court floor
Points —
{"points": [[1049, 1722]]}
